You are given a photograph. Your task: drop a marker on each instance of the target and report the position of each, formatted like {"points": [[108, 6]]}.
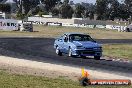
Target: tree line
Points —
{"points": [[111, 9], [5, 8], [103, 9]]}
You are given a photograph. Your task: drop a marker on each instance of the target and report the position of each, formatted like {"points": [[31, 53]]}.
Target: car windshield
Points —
{"points": [[80, 37]]}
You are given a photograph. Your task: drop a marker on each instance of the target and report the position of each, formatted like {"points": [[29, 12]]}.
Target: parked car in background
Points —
{"points": [[25, 27], [129, 28], [76, 44]]}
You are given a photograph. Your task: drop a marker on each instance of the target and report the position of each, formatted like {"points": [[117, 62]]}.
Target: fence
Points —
{"points": [[75, 22], [8, 24]]}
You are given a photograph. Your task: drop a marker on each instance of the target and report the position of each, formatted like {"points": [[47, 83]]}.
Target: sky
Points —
{"points": [[88, 1], [79, 1]]}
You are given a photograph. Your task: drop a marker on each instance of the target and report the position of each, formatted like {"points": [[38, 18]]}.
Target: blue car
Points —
{"points": [[77, 44]]}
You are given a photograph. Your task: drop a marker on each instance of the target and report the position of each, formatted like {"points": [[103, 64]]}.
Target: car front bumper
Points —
{"points": [[87, 53]]}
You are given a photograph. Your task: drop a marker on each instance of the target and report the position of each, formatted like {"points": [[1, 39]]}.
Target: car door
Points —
{"points": [[63, 43], [60, 42], [66, 43]]}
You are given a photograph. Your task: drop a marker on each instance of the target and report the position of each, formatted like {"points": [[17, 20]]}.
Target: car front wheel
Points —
{"points": [[84, 57], [58, 51]]}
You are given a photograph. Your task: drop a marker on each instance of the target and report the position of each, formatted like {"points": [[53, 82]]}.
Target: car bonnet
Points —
{"points": [[87, 44]]}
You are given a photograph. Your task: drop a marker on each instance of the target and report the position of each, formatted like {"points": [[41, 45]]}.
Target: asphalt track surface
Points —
{"points": [[41, 49]]}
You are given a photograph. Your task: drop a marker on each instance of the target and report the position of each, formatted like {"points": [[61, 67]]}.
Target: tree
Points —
{"points": [[66, 1], [29, 7], [5, 8], [124, 13], [23, 6], [34, 3], [1, 0], [26, 6], [117, 10], [101, 9], [128, 4], [113, 9], [55, 12], [88, 6], [66, 10], [109, 10], [91, 15], [79, 11], [49, 4]]}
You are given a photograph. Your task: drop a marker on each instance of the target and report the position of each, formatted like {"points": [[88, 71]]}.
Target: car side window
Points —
{"points": [[71, 38]]}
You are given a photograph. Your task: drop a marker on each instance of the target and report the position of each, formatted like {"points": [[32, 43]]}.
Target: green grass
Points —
{"points": [[118, 51], [52, 32], [25, 81]]}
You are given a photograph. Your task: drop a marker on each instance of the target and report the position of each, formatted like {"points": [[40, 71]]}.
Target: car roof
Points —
{"points": [[74, 33]]}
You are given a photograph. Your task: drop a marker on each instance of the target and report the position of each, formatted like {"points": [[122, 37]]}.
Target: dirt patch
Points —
{"points": [[21, 66], [34, 69]]}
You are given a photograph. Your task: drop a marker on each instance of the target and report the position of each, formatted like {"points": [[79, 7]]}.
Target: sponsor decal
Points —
{"points": [[8, 24], [85, 80]]}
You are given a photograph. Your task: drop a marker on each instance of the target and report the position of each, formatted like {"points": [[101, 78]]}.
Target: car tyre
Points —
{"points": [[58, 51], [97, 57], [84, 57]]}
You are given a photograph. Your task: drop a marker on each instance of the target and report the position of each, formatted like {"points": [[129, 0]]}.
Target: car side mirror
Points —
{"points": [[65, 40]]}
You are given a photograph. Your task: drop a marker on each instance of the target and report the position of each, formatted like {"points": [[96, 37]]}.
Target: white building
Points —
{"points": [[2, 15]]}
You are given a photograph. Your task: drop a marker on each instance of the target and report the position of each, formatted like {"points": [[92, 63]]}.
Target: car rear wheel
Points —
{"points": [[58, 51], [97, 57]]}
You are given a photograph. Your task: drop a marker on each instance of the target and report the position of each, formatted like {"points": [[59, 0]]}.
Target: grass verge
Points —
{"points": [[118, 50], [25, 81], [52, 32]]}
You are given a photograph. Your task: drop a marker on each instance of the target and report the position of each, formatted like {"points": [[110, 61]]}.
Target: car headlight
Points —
{"points": [[79, 47]]}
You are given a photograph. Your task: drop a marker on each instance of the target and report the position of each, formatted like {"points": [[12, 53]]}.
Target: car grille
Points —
{"points": [[89, 48], [92, 49], [89, 52], [86, 52]]}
